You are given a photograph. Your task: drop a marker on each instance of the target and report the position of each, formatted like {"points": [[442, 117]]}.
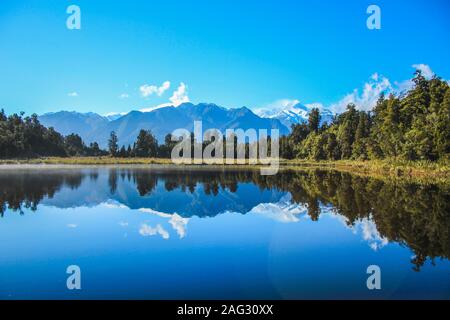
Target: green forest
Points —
{"points": [[25, 137], [411, 126]]}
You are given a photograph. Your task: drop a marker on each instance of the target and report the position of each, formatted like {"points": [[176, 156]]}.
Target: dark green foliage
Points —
{"points": [[146, 145], [74, 145], [332, 150], [361, 137], [314, 120], [299, 133], [165, 150], [113, 146], [413, 126], [123, 152], [25, 137], [94, 150], [286, 148]]}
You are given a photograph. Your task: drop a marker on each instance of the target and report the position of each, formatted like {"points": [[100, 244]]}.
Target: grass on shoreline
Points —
{"points": [[392, 168]]}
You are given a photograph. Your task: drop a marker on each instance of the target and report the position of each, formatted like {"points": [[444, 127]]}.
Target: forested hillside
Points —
{"points": [[25, 137], [412, 126]]}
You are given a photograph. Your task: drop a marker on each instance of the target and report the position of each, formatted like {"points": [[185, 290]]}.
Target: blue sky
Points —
{"points": [[231, 52]]}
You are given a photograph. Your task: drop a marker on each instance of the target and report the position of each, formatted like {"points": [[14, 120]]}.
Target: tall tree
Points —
{"points": [[346, 132], [314, 120], [113, 144], [361, 135], [74, 145], [146, 144]]}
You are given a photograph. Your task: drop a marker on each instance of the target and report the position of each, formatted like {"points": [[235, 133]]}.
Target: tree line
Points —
{"points": [[26, 137], [412, 126], [396, 208], [145, 146]]}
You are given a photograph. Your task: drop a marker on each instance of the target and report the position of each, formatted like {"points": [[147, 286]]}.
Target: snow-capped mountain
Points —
{"points": [[285, 210], [161, 121], [294, 112]]}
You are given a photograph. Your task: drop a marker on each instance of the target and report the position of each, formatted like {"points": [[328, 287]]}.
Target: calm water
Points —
{"points": [[156, 234]]}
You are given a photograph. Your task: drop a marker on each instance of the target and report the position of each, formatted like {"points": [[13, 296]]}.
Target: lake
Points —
{"points": [[155, 233]]}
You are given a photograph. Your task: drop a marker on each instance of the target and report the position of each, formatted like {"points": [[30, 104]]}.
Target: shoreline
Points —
{"points": [[382, 168]]}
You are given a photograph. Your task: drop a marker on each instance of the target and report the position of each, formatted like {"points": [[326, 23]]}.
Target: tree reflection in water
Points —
{"points": [[412, 214]]}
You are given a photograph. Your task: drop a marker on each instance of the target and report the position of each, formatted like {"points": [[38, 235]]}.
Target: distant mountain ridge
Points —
{"points": [[93, 127], [295, 113], [65, 122]]}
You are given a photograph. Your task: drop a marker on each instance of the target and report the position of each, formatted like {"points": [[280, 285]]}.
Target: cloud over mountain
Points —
{"points": [[180, 95], [148, 90]]}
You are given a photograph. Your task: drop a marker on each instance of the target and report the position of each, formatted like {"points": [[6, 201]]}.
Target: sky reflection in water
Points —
{"points": [[154, 234]]}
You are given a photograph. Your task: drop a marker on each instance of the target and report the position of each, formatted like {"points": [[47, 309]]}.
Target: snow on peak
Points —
{"points": [[291, 112], [284, 211]]}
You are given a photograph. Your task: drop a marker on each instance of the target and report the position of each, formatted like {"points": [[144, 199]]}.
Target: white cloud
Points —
{"points": [[371, 235], [73, 94], [72, 225], [147, 231], [180, 95], [364, 227], [124, 96], [375, 86], [375, 76], [148, 90], [426, 70], [367, 99], [178, 223], [123, 224], [406, 85], [364, 98], [403, 86], [159, 106]]}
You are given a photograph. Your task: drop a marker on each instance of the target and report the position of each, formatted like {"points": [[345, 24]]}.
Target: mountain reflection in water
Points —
{"points": [[416, 216]]}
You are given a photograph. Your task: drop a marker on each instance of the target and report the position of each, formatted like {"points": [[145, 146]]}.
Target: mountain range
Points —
{"points": [[94, 127], [294, 113]]}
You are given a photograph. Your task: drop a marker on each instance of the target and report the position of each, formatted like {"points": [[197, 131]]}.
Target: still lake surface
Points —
{"points": [[140, 233]]}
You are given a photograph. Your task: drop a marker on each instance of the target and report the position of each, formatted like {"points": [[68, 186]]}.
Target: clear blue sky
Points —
{"points": [[230, 52]]}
